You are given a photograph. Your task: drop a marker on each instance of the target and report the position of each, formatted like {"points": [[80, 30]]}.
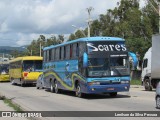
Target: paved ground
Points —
{"points": [[32, 99]]}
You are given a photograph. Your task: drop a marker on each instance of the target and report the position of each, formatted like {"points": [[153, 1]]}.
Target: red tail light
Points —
{"points": [[25, 74]]}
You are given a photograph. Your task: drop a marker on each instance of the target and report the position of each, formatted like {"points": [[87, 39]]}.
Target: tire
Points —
{"points": [[158, 102], [42, 86], [12, 82], [78, 91], [114, 94], [147, 85], [22, 84], [56, 87], [52, 88], [37, 87]]}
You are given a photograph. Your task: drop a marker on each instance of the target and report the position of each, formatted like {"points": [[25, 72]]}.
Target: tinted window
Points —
{"points": [[57, 54], [67, 52], [31, 65], [75, 50], [47, 55], [145, 62], [52, 56], [82, 48], [44, 57], [62, 53], [71, 51]]}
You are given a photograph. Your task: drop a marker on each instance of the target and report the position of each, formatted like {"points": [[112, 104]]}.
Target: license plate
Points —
{"points": [[110, 88]]}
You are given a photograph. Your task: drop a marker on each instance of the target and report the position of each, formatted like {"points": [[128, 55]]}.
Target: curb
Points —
{"points": [[23, 110], [136, 86]]}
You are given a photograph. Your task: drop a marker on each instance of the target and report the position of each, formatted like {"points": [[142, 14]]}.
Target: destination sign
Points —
{"points": [[106, 46]]}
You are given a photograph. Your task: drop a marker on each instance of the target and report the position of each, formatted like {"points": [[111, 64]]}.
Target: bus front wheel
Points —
{"points": [[78, 91]]}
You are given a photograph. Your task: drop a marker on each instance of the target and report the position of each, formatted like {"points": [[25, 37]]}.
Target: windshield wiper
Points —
{"points": [[102, 75], [114, 69]]}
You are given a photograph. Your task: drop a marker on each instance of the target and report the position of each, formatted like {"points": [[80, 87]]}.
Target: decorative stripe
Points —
{"points": [[62, 82]]}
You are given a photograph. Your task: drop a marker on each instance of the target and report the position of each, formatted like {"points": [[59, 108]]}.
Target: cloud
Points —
{"points": [[22, 21]]}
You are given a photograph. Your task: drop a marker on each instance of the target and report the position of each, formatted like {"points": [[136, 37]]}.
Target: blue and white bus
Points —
{"points": [[93, 65]]}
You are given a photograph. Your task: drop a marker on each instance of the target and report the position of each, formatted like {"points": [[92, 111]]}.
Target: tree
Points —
{"points": [[150, 11], [35, 44], [78, 34], [72, 37]]}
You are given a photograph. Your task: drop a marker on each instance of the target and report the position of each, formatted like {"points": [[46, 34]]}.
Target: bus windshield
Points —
{"points": [[32, 65], [104, 67], [4, 69]]}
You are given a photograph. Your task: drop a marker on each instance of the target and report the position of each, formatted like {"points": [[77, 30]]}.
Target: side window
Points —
{"points": [[57, 54], [71, 51], [145, 63], [44, 58], [62, 53], [75, 50], [47, 55], [52, 56], [67, 52], [82, 48]]}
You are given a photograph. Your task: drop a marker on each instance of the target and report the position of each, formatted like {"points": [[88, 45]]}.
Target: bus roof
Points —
{"points": [[86, 39], [27, 58]]}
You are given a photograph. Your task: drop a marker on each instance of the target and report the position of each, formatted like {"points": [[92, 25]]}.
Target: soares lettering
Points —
{"points": [[116, 47]]}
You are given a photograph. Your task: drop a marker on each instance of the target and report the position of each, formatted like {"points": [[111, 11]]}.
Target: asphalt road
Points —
{"points": [[32, 99]]}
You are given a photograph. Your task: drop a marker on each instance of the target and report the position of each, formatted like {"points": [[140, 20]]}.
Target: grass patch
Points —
{"points": [[136, 82], [11, 104]]}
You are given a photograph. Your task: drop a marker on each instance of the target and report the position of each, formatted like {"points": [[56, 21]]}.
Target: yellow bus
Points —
{"points": [[4, 71], [25, 70]]}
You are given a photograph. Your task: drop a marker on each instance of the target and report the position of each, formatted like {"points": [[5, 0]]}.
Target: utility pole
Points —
{"points": [[89, 19], [31, 52], [40, 48]]}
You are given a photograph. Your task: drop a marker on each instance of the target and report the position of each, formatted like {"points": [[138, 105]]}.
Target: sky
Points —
{"points": [[21, 21]]}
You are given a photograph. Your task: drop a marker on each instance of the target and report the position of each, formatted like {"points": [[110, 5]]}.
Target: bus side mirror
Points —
{"points": [[85, 60]]}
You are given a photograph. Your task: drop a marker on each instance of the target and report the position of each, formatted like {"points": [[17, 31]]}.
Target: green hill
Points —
{"points": [[8, 49]]}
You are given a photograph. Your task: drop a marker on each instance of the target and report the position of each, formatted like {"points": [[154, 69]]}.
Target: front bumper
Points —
{"points": [[94, 89], [29, 81]]}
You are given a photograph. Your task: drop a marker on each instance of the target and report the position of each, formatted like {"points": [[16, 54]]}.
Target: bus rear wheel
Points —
{"points": [[52, 87], [56, 87]]}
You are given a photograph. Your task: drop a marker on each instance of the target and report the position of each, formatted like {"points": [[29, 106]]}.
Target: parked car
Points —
{"points": [[158, 96], [39, 83]]}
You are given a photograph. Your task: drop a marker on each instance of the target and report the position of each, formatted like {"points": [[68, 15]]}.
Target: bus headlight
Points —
{"points": [[125, 82]]}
